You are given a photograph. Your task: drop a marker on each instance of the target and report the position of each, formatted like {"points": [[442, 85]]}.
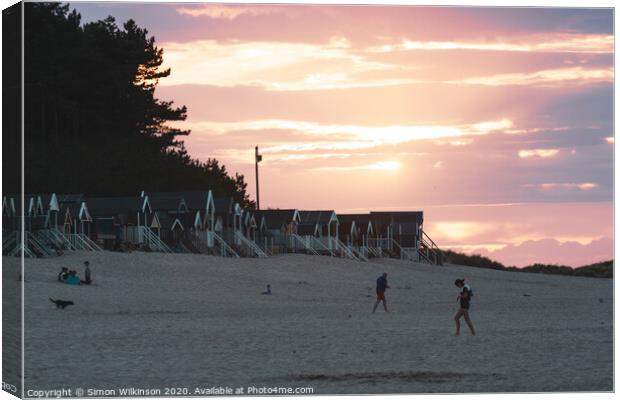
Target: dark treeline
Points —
{"points": [[92, 123], [598, 270]]}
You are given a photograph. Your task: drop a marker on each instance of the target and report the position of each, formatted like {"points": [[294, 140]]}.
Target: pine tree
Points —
{"points": [[93, 123]]}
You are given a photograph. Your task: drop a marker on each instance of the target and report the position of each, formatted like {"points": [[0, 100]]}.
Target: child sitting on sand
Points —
{"points": [[72, 278], [63, 274], [268, 291]]}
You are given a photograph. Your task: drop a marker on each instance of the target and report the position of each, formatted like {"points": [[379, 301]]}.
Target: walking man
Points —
{"points": [[381, 287]]}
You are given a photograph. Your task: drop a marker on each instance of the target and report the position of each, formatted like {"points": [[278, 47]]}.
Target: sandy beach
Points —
{"points": [[194, 321]]}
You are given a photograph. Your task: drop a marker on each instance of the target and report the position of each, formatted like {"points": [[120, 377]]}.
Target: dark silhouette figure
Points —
{"points": [[463, 298], [381, 287], [86, 280], [268, 291]]}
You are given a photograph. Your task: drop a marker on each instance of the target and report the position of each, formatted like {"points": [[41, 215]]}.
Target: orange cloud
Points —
{"points": [[460, 230]]}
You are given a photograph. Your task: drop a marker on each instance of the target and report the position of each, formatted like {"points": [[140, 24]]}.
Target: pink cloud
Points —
{"points": [[551, 251], [566, 186], [227, 12], [540, 153]]}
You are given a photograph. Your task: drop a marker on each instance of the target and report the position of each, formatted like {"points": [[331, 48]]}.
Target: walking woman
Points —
{"points": [[464, 299]]}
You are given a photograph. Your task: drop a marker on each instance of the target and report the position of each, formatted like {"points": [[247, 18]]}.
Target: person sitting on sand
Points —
{"points": [[268, 291], [87, 280], [72, 278], [464, 299], [62, 275], [381, 287]]}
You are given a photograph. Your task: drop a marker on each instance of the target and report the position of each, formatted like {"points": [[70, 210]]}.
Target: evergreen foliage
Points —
{"points": [[597, 270], [93, 124]]}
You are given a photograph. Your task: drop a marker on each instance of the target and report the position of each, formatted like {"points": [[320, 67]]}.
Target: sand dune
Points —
{"points": [[191, 321]]}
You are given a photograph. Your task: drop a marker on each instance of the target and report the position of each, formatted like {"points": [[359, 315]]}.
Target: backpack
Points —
{"points": [[470, 291]]}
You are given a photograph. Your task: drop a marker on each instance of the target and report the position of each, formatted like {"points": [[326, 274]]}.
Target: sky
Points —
{"points": [[496, 122]]}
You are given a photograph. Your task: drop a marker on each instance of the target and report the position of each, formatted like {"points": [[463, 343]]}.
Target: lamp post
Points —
{"points": [[257, 158]]}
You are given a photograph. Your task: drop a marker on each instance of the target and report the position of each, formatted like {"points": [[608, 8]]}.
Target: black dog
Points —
{"points": [[61, 303]]}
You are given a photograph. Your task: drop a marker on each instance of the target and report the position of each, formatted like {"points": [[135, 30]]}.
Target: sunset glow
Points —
{"points": [[496, 122], [542, 153]]}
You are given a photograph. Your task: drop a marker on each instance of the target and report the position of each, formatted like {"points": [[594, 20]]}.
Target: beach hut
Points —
{"points": [[194, 201], [357, 231], [305, 230], [280, 221], [10, 219], [363, 228], [399, 232], [35, 205], [224, 213], [328, 225], [171, 220], [280, 225], [261, 223], [117, 219], [199, 218], [348, 232], [172, 230], [34, 215], [52, 208], [402, 226], [76, 217], [250, 225], [238, 217], [261, 230]]}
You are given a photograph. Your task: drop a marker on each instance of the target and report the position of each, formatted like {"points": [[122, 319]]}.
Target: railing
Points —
{"points": [[375, 251], [9, 242], [47, 239], [19, 246], [321, 246], [265, 248], [226, 250], [90, 242], [200, 243], [432, 252], [250, 245], [346, 251], [59, 237], [304, 243], [27, 251], [153, 241], [359, 253], [412, 254], [37, 247], [46, 243], [50, 239], [381, 243], [79, 241]]}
